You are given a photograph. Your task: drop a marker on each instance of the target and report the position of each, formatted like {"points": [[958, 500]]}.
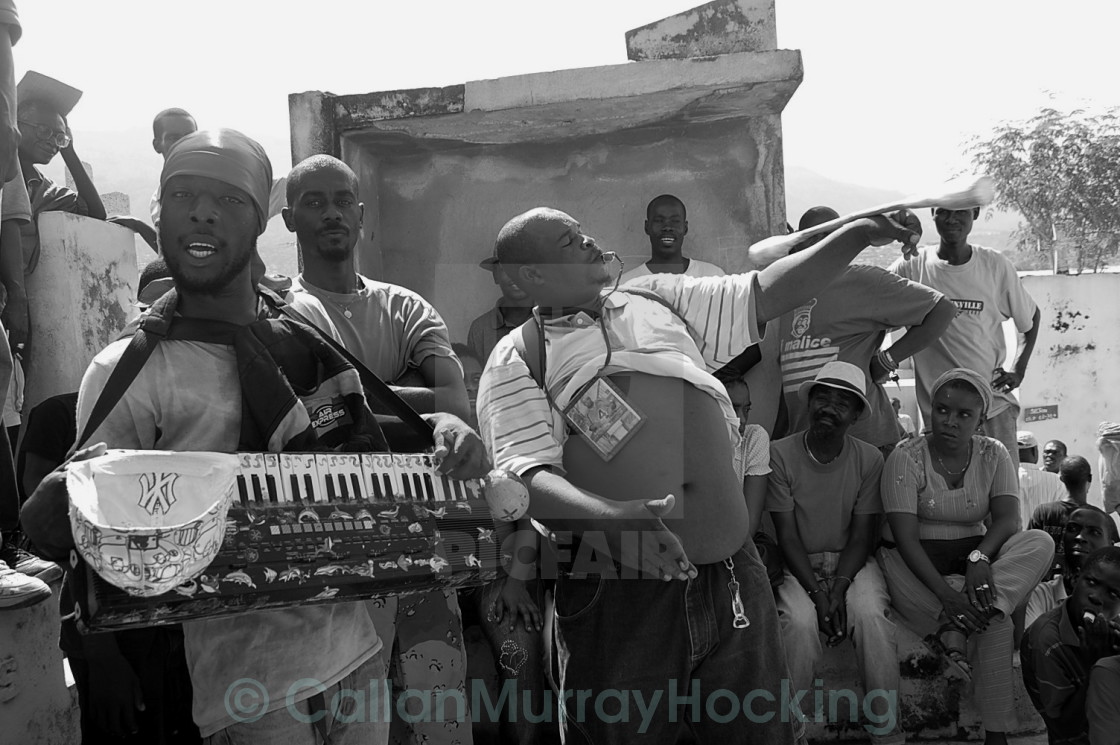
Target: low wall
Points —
{"points": [[80, 298], [1074, 369]]}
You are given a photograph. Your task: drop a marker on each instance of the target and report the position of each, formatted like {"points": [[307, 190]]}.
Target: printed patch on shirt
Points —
{"points": [[803, 318], [328, 415], [969, 306]]}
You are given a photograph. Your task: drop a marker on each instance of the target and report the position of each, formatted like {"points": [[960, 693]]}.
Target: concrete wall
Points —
{"points": [[436, 214], [1075, 362], [431, 215], [80, 298], [36, 706]]}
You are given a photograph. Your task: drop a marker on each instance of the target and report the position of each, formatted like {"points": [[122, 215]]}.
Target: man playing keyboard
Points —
{"points": [[399, 336], [657, 499]]}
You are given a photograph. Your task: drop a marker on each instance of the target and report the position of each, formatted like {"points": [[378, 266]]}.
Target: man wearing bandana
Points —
{"points": [[222, 378]]}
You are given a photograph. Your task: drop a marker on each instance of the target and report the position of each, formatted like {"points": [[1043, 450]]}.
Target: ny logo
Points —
{"points": [[157, 492]]}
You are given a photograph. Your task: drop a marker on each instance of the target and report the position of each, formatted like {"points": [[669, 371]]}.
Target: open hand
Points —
{"points": [[512, 601], [636, 536]]}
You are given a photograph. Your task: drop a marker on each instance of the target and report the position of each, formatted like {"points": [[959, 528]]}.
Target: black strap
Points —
{"points": [[152, 329], [128, 367], [373, 384]]}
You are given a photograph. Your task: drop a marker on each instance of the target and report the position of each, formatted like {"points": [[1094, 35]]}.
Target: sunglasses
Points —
{"points": [[47, 134]]}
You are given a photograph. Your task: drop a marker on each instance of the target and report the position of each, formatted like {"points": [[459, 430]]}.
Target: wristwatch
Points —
{"points": [[977, 556]]}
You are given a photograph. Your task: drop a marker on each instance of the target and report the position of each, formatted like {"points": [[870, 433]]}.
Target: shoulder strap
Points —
{"points": [[373, 384], [151, 328], [128, 367], [527, 342]]}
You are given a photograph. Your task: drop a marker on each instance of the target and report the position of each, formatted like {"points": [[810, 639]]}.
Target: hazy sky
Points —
{"points": [[892, 87]]}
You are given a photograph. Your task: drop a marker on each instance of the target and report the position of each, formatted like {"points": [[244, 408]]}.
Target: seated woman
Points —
{"points": [[948, 577]]}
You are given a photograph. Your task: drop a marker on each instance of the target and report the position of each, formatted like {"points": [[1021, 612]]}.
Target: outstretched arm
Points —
{"points": [[790, 281]]}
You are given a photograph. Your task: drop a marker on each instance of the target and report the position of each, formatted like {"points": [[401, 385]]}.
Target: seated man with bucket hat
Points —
{"points": [[825, 504]]}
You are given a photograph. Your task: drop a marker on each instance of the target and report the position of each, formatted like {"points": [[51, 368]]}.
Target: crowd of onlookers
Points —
{"points": [[600, 385]]}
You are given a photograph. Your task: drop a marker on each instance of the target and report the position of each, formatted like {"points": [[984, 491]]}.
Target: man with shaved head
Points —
{"points": [[404, 341], [604, 403], [666, 225], [847, 322]]}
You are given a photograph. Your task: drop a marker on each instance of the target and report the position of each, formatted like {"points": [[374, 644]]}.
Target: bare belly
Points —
{"points": [[682, 449]]}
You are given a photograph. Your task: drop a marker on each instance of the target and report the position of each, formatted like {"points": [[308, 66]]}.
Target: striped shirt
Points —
{"points": [[520, 429]]}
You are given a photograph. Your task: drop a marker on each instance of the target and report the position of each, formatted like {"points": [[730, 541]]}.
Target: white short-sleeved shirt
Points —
{"points": [[696, 268], [391, 329], [986, 291], [188, 397]]}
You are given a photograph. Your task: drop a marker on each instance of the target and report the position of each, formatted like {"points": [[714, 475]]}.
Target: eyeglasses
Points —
{"points": [[45, 133]]}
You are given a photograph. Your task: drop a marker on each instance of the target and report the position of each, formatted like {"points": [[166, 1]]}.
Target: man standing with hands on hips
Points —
{"points": [[987, 291]]}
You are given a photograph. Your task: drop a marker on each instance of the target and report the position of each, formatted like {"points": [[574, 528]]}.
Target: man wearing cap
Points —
{"points": [[513, 308], [404, 341], [824, 500], [666, 226], [848, 322], [210, 386], [44, 105], [660, 498], [1036, 487], [982, 283]]}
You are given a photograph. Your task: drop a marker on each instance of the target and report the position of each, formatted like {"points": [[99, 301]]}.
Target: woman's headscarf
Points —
{"points": [[974, 379], [227, 156]]}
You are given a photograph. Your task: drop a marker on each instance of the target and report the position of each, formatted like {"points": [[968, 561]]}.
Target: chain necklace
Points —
{"points": [[345, 306], [948, 470], [816, 460]]}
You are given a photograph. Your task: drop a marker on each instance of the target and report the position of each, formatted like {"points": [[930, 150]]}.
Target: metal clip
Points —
{"points": [[741, 621]]}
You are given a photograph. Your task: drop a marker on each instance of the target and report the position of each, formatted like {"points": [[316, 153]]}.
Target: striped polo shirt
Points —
{"points": [[715, 320]]}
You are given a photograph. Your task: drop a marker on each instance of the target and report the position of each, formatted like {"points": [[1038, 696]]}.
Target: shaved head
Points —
{"points": [[665, 199], [317, 164], [517, 244], [545, 252]]}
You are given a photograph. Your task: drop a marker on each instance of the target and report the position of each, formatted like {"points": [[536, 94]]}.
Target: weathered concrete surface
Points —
{"points": [[719, 27], [312, 124], [441, 169], [589, 102], [80, 298], [36, 708], [1074, 362]]}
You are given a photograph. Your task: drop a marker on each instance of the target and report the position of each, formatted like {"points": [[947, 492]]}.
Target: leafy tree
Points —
{"points": [[1059, 170]]}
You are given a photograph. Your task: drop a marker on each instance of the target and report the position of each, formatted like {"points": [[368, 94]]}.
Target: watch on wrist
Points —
{"points": [[977, 556]]}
